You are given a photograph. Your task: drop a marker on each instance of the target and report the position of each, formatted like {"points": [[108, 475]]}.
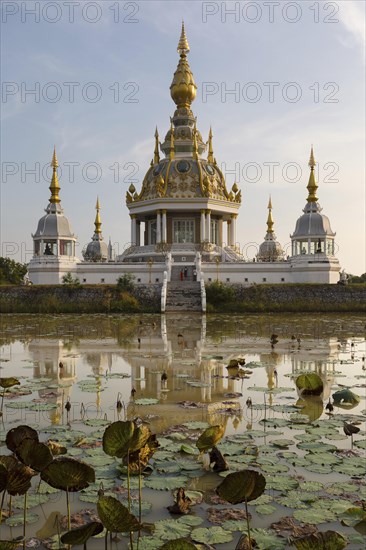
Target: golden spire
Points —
{"points": [[171, 148], [269, 219], [98, 223], [195, 144], [55, 186], [183, 88], [156, 151], [183, 46], [312, 185], [210, 157]]}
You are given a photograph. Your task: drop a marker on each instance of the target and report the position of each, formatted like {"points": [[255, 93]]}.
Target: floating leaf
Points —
{"points": [[210, 437], [18, 519], [165, 483], [242, 486], [211, 535], [115, 516], [353, 516], [178, 544], [266, 539], [68, 474], [169, 529], [328, 540], [82, 534]]}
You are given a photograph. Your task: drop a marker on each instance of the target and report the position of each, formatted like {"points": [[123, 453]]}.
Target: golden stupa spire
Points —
{"points": [[156, 151], [97, 222], [270, 219], [55, 186], [171, 148], [183, 88], [312, 185], [210, 157]]}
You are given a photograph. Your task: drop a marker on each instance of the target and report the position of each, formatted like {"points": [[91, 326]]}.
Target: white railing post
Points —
{"points": [[163, 292]]}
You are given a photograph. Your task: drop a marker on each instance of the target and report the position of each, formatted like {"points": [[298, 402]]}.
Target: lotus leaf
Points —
{"points": [[33, 499], [82, 534], [361, 444], [311, 486], [117, 437], [211, 535], [267, 539], [34, 454], [282, 483], [188, 449], [10, 544], [3, 477], [15, 436], [345, 398], [178, 544], [9, 382], [242, 486], [68, 474], [169, 529], [55, 448], [18, 475], [328, 540], [265, 509], [164, 483], [314, 515], [139, 438], [352, 516], [191, 520], [210, 437], [309, 384], [18, 519], [115, 516]]}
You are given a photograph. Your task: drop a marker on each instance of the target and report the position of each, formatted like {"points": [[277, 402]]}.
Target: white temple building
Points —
{"points": [[183, 221]]}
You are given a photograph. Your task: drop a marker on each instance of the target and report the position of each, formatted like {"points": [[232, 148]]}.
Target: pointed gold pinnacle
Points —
{"points": [[54, 186], [183, 46]]}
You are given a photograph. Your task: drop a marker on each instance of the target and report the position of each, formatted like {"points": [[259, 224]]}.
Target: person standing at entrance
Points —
{"points": [[194, 275], [186, 272], [181, 275]]}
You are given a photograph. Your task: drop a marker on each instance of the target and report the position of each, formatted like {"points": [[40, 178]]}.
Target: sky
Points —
{"points": [[273, 77]]}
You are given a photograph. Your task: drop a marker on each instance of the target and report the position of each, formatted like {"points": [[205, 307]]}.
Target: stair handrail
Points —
{"points": [[164, 290]]}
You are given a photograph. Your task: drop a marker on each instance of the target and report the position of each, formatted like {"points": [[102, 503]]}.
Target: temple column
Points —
{"points": [[164, 231], [233, 230], [220, 232], [138, 233], [133, 229], [202, 226], [228, 232], [158, 226], [208, 225]]}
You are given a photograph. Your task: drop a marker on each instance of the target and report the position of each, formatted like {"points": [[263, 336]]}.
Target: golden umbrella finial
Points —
{"points": [[312, 185], [270, 219], [156, 151], [183, 89], [183, 46], [55, 186], [97, 222]]}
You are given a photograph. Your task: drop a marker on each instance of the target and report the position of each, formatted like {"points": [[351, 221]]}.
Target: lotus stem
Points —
{"points": [[128, 481], [10, 505], [24, 518], [140, 491], [68, 509], [106, 540], [1, 506], [2, 402], [248, 524]]}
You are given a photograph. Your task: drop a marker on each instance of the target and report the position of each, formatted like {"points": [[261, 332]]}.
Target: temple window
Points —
{"points": [[183, 231]]}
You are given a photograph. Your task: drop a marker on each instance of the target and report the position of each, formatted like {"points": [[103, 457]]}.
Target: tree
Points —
{"points": [[12, 272], [125, 283], [69, 280]]}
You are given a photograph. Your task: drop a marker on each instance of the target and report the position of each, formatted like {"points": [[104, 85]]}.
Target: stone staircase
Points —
{"points": [[183, 296]]}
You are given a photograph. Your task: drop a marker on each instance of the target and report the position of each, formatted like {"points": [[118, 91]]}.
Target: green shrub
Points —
{"points": [[125, 283], [218, 293]]}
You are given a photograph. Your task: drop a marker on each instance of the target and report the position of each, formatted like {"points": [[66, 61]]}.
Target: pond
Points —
{"points": [[74, 369]]}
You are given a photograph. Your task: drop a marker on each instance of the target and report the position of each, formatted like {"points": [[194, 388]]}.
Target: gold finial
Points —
{"points": [[183, 89], [55, 186], [97, 222], [183, 46], [171, 149], [156, 151], [210, 157], [270, 219], [312, 185], [195, 144]]}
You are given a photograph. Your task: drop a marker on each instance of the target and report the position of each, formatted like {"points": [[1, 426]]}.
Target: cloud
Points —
{"points": [[352, 16]]}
